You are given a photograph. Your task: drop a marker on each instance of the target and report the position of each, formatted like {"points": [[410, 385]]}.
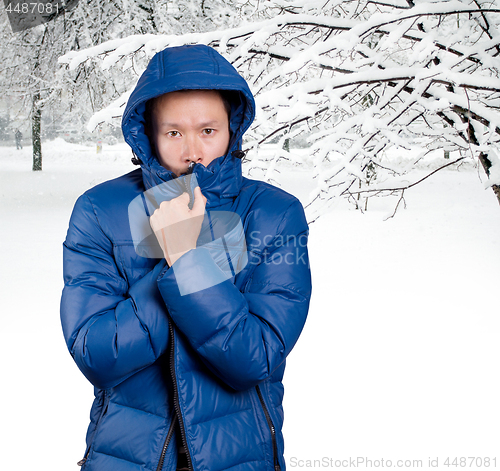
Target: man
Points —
{"points": [[19, 138], [186, 285]]}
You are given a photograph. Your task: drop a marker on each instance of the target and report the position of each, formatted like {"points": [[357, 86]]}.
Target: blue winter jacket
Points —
{"points": [[194, 352]]}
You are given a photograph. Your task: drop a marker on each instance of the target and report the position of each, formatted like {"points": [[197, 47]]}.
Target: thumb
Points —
{"points": [[199, 201]]}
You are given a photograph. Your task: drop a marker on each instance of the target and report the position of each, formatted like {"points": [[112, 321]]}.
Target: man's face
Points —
{"points": [[190, 126]]}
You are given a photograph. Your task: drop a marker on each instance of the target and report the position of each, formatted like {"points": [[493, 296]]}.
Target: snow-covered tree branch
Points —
{"points": [[357, 80]]}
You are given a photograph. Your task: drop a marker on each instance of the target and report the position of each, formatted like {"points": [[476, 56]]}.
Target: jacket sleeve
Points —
{"points": [[245, 336], [112, 330]]}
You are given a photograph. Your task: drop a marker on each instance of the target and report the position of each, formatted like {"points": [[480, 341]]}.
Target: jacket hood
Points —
{"points": [[195, 67]]}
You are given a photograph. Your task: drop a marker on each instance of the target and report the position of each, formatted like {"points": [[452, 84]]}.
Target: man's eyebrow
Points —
{"points": [[204, 124], [211, 123]]}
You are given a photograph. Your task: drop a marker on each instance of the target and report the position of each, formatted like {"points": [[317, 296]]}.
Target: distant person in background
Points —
{"points": [[19, 138]]}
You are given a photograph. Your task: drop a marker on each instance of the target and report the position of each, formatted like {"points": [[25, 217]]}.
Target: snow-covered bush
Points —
{"points": [[359, 80]]}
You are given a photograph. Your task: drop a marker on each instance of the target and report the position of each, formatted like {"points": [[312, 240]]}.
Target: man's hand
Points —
{"points": [[176, 226]]}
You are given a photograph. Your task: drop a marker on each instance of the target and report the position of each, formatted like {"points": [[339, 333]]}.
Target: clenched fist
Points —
{"points": [[176, 226]]}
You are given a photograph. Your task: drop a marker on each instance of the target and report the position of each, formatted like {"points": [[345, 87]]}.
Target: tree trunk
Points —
{"points": [[486, 163], [36, 119]]}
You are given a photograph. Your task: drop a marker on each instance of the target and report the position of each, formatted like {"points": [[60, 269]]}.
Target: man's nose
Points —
{"points": [[192, 149]]}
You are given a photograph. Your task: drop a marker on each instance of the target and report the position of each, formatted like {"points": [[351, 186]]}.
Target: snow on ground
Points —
{"points": [[398, 359]]}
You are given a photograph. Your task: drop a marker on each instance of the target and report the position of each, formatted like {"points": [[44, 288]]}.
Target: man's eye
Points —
{"points": [[173, 133], [208, 131]]}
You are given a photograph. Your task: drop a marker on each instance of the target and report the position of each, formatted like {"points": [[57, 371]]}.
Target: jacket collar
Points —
{"points": [[220, 181]]}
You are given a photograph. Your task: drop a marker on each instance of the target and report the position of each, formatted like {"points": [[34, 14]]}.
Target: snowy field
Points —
{"points": [[398, 360]]}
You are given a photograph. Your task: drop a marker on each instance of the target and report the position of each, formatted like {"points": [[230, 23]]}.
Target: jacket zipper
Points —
{"points": [[271, 428], [103, 411], [177, 415], [166, 443], [176, 395]]}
